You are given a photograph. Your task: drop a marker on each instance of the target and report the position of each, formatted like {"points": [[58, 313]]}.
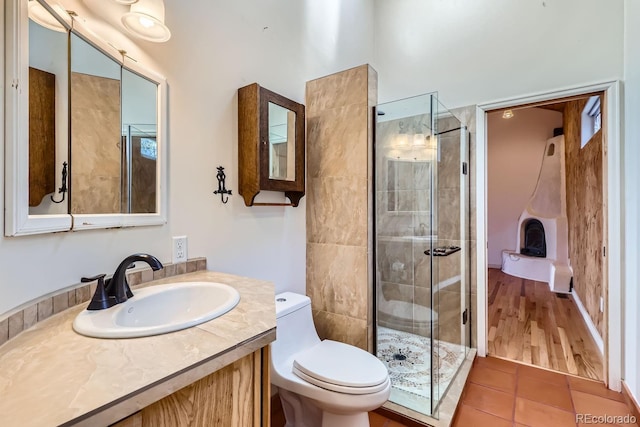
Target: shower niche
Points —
{"points": [[421, 214]]}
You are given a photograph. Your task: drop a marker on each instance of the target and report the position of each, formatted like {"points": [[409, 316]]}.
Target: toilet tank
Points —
{"points": [[295, 329]]}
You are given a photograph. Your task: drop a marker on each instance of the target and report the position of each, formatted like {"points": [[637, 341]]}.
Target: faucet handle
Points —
{"points": [[100, 299], [91, 279]]}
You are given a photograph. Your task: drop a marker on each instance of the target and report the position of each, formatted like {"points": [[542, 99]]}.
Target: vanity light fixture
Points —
{"points": [[402, 138], [419, 140], [145, 20], [507, 114], [41, 16]]}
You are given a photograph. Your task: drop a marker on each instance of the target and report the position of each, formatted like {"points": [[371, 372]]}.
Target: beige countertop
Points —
{"points": [[50, 375]]}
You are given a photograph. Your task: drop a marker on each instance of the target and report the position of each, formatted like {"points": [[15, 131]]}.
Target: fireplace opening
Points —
{"points": [[534, 240]]}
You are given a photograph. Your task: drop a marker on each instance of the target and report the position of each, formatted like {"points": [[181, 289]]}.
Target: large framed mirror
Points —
{"points": [[85, 128]]}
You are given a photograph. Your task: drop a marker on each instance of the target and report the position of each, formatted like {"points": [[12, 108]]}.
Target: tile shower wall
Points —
{"points": [[339, 203]]}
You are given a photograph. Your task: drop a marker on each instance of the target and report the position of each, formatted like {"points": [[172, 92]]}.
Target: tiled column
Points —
{"points": [[339, 203]]}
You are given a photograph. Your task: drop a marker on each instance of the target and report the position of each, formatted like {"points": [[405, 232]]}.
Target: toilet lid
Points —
{"points": [[341, 367]]}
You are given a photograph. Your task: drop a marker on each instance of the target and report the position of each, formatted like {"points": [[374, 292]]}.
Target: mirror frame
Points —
{"points": [[266, 182], [18, 221]]}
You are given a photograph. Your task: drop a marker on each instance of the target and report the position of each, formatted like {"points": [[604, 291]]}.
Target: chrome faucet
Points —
{"points": [[118, 286], [116, 290]]}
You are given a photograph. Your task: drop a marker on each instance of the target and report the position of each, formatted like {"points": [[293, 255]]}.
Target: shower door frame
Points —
{"points": [[612, 223]]}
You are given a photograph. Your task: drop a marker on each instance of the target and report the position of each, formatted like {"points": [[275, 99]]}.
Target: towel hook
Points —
{"points": [[63, 188], [222, 190]]}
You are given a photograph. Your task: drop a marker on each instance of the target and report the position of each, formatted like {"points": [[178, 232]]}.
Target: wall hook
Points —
{"points": [[221, 186], [63, 188]]}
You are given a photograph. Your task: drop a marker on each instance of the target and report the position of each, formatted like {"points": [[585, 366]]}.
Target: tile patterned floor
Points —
{"points": [[502, 393], [499, 393]]}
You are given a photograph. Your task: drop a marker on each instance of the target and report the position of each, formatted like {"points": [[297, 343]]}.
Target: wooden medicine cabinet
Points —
{"points": [[271, 144]]}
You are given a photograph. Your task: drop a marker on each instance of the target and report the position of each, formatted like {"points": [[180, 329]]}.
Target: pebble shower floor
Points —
{"points": [[408, 359]]}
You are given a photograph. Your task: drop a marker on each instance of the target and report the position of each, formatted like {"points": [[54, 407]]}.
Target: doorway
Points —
{"points": [[538, 309]]}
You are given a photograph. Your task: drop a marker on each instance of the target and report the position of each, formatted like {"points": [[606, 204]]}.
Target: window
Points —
{"points": [[591, 119], [148, 148]]}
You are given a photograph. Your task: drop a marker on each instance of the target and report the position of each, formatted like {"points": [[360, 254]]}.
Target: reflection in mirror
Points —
{"points": [[140, 147], [48, 115], [282, 143], [95, 130]]}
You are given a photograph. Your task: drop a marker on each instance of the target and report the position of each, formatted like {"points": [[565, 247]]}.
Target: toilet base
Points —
{"points": [[298, 411], [302, 412], [354, 420]]}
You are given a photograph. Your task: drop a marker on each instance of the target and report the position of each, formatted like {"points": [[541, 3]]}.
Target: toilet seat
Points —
{"points": [[341, 368]]}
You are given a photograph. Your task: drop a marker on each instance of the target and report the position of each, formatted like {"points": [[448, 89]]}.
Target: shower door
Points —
{"points": [[451, 287], [421, 257]]}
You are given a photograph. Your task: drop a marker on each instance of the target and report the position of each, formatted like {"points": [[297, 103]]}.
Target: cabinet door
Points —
{"points": [[230, 397]]}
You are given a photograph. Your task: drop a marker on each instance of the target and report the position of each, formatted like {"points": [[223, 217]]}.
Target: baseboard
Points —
{"points": [[496, 266], [632, 403], [587, 319]]}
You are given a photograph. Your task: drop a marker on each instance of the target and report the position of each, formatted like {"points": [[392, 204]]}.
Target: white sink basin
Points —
{"points": [[159, 309]]}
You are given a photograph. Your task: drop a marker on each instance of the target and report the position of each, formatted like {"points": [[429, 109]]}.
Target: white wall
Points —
{"points": [[216, 48], [631, 295], [475, 51], [514, 157]]}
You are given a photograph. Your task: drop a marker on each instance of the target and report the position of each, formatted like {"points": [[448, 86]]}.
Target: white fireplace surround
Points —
{"points": [[548, 204]]}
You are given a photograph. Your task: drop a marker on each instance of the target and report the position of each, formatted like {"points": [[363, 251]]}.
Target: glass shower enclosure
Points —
{"points": [[139, 155], [421, 234]]}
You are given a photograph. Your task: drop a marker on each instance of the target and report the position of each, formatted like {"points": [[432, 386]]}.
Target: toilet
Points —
{"points": [[322, 383]]}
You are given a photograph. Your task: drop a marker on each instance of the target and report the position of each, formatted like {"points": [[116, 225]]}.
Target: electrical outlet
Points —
{"points": [[179, 249]]}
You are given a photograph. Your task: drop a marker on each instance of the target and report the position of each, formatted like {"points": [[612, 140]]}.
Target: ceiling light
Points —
{"points": [[507, 114], [41, 16], [146, 21], [127, 2]]}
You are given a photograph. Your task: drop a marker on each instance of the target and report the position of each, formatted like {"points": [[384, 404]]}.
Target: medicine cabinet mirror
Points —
{"points": [[85, 128], [271, 145]]}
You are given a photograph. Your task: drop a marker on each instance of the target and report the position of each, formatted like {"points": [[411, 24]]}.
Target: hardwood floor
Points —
{"points": [[531, 324]]}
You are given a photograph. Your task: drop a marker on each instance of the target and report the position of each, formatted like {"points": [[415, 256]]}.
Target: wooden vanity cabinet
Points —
{"points": [[237, 395]]}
